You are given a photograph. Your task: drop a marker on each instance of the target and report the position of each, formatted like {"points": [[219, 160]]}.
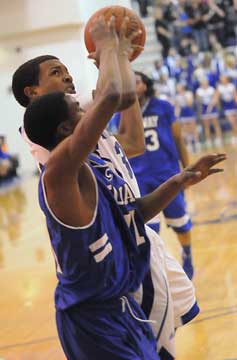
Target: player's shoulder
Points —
{"points": [[165, 104]]}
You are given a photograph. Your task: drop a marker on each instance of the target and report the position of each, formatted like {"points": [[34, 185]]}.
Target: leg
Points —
{"points": [[104, 331], [155, 298], [206, 126], [218, 133], [177, 218], [231, 118]]}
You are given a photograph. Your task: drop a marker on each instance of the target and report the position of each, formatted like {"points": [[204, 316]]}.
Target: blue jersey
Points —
{"points": [[107, 258], [161, 157]]}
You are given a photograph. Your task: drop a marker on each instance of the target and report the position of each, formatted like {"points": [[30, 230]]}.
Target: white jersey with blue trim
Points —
{"points": [[172, 297], [109, 150]]}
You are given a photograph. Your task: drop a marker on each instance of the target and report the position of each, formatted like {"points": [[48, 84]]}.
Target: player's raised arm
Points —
{"points": [[151, 204], [73, 151], [72, 134], [130, 131]]}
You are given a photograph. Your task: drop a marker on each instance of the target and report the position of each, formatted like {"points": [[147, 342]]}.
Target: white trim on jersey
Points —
{"points": [[59, 221], [178, 222], [99, 243], [99, 257]]}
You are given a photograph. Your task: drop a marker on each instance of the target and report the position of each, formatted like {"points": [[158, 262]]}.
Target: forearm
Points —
{"points": [[151, 204], [131, 132], [183, 153], [182, 150], [128, 93], [109, 79], [92, 124]]}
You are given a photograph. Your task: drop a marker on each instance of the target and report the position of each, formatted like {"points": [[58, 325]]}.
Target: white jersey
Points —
{"points": [[170, 302], [227, 92], [205, 95]]}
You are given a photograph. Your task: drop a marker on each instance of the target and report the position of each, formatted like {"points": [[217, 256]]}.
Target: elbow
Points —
{"points": [[127, 100], [112, 96], [112, 93]]}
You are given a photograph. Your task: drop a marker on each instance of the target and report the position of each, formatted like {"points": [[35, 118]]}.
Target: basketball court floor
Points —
{"points": [[27, 274]]}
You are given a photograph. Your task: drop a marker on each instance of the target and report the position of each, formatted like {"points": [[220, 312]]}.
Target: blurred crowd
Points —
{"points": [[8, 163], [196, 69], [181, 24]]}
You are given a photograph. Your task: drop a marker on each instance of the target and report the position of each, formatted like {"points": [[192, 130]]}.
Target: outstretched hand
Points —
{"points": [[201, 169]]}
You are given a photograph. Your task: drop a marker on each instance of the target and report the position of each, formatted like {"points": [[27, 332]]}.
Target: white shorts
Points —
{"points": [[169, 298]]}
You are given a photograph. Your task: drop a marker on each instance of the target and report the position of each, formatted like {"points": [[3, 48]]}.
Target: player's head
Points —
{"points": [[144, 85], [50, 118], [39, 76]]}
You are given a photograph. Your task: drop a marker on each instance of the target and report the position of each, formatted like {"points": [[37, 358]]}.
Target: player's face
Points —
{"points": [[76, 112], [140, 87], [54, 76]]}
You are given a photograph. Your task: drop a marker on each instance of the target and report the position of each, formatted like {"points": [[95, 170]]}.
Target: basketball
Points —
{"points": [[119, 12]]}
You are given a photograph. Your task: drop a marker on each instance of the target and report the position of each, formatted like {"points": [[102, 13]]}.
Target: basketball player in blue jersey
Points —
{"points": [[101, 249], [45, 74], [164, 150], [96, 227]]}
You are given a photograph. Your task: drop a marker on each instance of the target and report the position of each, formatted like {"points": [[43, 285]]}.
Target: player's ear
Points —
{"points": [[30, 92], [65, 129], [93, 94]]}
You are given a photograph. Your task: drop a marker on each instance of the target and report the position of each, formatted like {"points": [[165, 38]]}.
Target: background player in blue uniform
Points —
{"points": [[164, 150]]}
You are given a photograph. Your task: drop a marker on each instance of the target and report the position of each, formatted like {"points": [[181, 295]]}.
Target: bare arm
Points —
{"points": [[151, 204], [182, 150], [131, 132]]}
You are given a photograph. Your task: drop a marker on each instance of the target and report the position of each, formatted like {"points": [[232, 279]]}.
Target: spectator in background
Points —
{"points": [[195, 10], [8, 163], [230, 67], [208, 112], [165, 88], [185, 113], [163, 33], [227, 96], [159, 69], [215, 19], [231, 22], [143, 7]]}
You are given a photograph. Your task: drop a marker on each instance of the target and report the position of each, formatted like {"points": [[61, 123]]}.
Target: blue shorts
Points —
{"points": [[209, 115], [187, 114], [175, 213], [229, 107], [103, 331]]}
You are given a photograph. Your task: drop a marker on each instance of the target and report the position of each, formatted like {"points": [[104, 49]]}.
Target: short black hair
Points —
{"points": [[27, 75], [148, 82], [42, 117]]}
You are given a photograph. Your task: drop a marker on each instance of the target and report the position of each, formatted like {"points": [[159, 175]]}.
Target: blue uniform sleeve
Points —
{"points": [[114, 123]]}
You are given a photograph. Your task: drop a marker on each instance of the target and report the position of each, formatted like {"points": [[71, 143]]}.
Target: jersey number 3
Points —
{"points": [[152, 141]]}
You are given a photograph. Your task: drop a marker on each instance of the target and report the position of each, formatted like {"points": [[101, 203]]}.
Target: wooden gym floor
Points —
{"points": [[27, 274]]}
